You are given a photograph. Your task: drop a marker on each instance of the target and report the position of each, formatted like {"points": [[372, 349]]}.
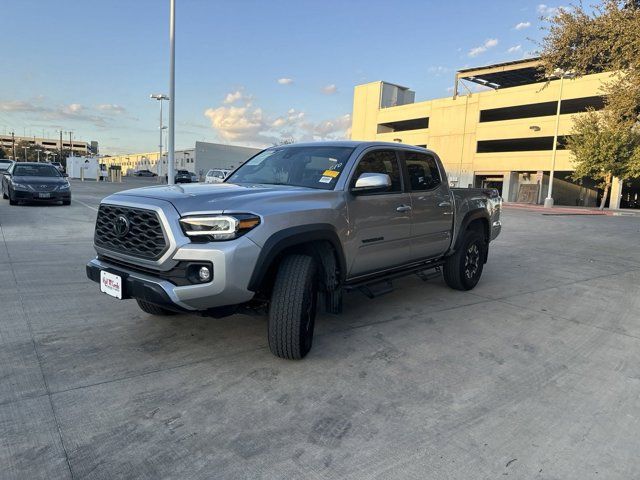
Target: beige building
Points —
{"points": [[501, 137]]}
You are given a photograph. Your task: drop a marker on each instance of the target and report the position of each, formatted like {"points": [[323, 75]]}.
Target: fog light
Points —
{"points": [[204, 274]]}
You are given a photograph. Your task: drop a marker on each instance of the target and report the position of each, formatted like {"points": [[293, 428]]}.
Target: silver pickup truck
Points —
{"points": [[293, 225]]}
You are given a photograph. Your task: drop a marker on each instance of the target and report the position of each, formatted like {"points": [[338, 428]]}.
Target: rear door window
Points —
{"points": [[423, 171]]}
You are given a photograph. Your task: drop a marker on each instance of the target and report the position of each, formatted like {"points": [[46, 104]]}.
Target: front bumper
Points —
{"points": [[233, 263], [29, 196]]}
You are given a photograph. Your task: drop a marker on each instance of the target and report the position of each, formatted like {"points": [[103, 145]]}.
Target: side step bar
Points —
{"points": [[381, 283]]}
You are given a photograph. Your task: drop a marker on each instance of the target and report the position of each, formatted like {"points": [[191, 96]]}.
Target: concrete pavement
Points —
{"points": [[534, 374]]}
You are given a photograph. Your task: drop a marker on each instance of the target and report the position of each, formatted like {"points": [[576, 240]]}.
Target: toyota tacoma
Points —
{"points": [[294, 226]]}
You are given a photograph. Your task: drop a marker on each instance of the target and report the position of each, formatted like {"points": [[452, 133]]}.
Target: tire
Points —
{"points": [[66, 202], [11, 200], [292, 311], [153, 309], [463, 269]]}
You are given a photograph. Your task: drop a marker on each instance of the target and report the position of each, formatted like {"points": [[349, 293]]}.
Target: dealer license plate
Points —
{"points": [[111, 284]]}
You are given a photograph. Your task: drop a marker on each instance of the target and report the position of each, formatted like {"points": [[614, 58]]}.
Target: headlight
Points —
{"points": [[20, 186], [66, 186], [218, 227]]}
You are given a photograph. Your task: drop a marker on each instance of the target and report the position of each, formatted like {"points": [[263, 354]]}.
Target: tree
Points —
{"points": [[605, 143], [602, 150], [3, 154]]}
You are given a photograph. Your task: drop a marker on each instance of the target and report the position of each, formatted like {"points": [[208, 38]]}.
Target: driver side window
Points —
{"points": [[381, 161]]}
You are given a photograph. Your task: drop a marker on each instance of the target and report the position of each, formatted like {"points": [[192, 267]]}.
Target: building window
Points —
{"points": [[545, 109], [404, 125], [519, 144]]}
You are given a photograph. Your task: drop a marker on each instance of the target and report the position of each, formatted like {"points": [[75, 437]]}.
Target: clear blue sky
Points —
{"points": [[248, 72]]}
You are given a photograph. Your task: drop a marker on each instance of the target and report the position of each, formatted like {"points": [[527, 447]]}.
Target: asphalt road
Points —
{"points": [[534, 374]]}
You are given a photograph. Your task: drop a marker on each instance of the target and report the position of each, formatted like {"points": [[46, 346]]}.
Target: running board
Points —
{"points": [[381, 283]]}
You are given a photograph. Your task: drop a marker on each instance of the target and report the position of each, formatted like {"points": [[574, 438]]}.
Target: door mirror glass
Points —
{"points": [[371, 183]]}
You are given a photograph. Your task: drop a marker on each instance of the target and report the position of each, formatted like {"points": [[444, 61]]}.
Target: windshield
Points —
{"points": [[4, 165], [312, 167], [35, 171]]}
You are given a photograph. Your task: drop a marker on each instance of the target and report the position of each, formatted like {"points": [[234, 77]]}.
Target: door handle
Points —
{"points": [[403, 208], [444, 204]]}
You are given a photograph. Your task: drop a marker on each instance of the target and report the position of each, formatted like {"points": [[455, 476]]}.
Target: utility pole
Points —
{"points": [[25, 154], [160, 97], [172, 93], [60, 146], [13, 145], [548, 202]]}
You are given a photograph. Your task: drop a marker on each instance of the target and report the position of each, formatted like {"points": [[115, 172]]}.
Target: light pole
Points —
{"points": [[562, 74], [160, 97], [25, 153], [172, 92], [38, 152]]}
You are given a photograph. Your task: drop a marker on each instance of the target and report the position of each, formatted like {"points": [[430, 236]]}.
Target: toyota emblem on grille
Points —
{"points": [[121, 226]]}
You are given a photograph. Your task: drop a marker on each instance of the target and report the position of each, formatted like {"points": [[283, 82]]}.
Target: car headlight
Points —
{"points": [[66, 186], [20, 186], [218, 227]]}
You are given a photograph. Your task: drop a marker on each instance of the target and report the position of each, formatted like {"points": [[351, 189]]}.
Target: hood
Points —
{"points": [[29, 180], [220, 197]]}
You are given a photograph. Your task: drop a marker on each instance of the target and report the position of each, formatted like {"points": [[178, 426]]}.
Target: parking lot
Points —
{"points": [[534, 374]]}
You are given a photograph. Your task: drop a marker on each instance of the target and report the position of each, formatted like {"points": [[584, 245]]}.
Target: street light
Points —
{"points": [[561, 74], [172, 92], [160, 97]]}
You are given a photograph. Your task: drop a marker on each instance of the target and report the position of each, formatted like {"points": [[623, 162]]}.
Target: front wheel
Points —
{"points": [[11, 200], [463, 269], [292, 311]]}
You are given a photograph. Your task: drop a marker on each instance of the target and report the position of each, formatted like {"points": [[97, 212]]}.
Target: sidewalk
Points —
{"points": [[565, 210]]}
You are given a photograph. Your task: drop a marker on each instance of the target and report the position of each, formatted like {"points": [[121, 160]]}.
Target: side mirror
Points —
{"points": [[65, 174], [371, 183]]}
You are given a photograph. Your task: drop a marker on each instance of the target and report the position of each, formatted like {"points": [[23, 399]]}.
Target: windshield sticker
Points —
{"points": [[326, 179], [330, 173]]}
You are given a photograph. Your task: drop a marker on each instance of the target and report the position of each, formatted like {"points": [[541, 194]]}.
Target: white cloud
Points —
{"points": [[20, 106], [111, 108], [522, 25], [74, 108], [72, 111], [285, 81], [233, 97], [329, 89], [547, 11], [490, 43], [439, 70], [338, 128], [243, 123], [514, 49]]}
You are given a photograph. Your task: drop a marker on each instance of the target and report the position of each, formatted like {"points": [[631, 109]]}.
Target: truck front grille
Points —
{"points": [[130, 231]]}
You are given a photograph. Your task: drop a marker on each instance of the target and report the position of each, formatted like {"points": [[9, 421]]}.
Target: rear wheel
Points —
{"points": [[292, 311], [463, 269], [153, 309]]}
